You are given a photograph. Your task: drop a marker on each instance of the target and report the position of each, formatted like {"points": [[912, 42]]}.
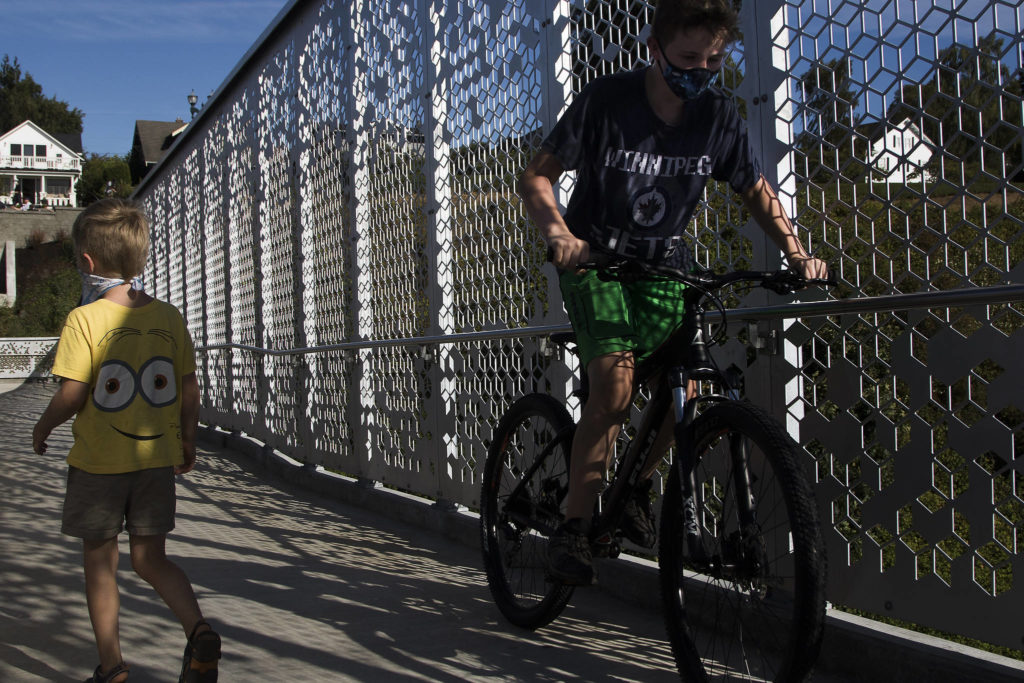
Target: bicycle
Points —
{"points": [[741, 558]]}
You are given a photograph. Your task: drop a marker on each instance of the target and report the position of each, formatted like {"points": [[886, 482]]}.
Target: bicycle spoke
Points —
{"points": [[525, 478], [749, 615]]}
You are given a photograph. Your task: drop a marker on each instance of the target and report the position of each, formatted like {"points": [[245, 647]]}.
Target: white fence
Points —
{"points": [[26, 357]]}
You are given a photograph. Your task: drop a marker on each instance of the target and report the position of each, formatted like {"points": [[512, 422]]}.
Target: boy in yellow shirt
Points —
{"points": [[127, 371]]}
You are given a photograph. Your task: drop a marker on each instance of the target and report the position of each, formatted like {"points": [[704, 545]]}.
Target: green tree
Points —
{"points": [[827, 140], [605, 38], [104, 175], [47, 291], [21, 99], [970, 109]]}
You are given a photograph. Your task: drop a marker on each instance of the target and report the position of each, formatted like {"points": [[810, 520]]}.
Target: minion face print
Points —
{"points": [[136, 387]]}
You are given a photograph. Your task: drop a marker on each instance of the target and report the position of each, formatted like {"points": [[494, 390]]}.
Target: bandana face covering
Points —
{"points": [[687, 84], [95, 286]]}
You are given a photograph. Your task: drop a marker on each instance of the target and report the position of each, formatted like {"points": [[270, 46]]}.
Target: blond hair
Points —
{"points": [[115, 234]]}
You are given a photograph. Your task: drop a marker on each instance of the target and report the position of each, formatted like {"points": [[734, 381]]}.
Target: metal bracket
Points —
{"points": [[427, 354], [769, 343], [546, 347], [445, 505]]}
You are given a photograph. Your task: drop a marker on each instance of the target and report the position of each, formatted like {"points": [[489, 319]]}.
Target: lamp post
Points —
{"points": [[192, 99]]}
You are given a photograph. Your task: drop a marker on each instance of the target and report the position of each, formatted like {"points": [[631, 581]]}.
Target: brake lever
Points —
{"points": [[598, 260], [625, 271], [829, 281], [784, 282], [789, 281]]}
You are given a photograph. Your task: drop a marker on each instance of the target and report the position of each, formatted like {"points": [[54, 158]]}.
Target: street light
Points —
{"points": [[192, 99]]}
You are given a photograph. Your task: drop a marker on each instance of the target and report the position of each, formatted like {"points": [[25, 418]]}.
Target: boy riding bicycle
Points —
{"points": [[644, 144]]}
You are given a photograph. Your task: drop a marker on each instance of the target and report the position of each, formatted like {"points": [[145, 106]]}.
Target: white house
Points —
{"points": [[38, 165], [901, 154]]}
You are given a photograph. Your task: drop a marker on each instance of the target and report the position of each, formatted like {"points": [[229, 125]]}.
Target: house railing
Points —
{"points": [[39, 163], [26, 357]]}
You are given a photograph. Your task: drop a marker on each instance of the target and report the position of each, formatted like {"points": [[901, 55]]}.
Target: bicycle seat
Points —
{"points": [[564, 339]]}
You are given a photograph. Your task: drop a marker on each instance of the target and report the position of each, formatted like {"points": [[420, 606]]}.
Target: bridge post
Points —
{"points": [[360, 408], [11, 290], [441, 408]]}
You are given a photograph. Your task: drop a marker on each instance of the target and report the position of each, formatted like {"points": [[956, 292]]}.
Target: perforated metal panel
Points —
{"points": [[353, 184], [907, 132], [23, 358]]}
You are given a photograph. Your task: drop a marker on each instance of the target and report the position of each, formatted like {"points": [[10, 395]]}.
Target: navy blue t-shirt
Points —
{"points": [[639, 179]]}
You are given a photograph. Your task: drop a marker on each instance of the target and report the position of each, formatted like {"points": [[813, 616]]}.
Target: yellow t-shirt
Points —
{"points": [[133, 360]]}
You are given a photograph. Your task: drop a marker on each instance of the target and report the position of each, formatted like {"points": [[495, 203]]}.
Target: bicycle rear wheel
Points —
{"points": [[526, 478], [746, 602]]}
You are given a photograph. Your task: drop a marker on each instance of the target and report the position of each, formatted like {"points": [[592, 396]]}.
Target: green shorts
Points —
{"points": [[620, 316]]}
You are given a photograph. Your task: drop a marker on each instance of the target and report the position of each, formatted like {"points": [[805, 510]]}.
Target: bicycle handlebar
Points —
{"points": [[778, 281]]}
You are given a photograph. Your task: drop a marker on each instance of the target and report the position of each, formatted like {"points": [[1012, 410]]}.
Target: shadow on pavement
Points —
{"points": [[301, 588]]}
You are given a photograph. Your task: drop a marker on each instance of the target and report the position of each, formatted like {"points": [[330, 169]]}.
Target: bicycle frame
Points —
{"points": [[683, 358], [686, 352], [718, 568]]}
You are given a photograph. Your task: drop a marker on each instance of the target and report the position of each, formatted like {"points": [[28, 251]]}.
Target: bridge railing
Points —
{"points": [[26, 357], [349, 189]]}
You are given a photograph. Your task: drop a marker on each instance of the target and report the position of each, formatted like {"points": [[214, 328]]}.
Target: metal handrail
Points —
{"points": [[974, 296], [511, 333]]}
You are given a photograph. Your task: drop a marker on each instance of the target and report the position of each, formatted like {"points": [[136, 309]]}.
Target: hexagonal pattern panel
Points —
{"points": [[351, 191]]}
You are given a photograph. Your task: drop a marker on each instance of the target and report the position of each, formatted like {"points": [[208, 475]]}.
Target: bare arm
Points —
{"points": [[189, 421], [68, 400], [766, 209], [536, 189]]}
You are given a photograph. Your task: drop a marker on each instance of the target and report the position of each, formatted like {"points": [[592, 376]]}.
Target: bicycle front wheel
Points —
{"points": [[526, 479], [745, 595]]}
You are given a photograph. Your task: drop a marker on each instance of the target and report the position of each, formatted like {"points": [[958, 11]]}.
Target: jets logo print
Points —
{"points": [[649, 207]]}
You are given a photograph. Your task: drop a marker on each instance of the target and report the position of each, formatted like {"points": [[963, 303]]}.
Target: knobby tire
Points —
{"points": [[514, 551], [761, 616]]}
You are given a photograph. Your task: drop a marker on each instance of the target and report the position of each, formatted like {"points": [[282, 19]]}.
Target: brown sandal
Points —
{"points": [[201, 655], [99, 677]]}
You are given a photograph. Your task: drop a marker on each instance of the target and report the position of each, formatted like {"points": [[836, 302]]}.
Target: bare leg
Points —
{"points": [[149, 560], [100, 562], [611, 388], [666, 435]]}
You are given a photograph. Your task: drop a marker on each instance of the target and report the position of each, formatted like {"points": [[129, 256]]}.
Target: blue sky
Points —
{"points": [[122, 60]]}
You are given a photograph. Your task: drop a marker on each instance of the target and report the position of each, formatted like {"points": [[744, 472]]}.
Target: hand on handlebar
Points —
{"points": [[567, 251], [803, 272], [811, 267]]}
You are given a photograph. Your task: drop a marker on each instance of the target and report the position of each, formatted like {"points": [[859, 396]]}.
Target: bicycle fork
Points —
{"points": [[685, 413]]}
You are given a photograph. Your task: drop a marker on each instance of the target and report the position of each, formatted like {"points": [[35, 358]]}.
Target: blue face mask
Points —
{"points": [[95, 286], [687, 84]]}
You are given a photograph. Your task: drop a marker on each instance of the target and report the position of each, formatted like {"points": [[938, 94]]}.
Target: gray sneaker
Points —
{"points": [[569, 558], [638, 518]]}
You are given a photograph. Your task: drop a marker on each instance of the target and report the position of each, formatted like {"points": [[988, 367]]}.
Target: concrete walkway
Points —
{"points": [[304, 587], [301, 588]]}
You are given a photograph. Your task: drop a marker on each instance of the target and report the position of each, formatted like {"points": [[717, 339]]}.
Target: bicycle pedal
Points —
{"points": [[606, 545]]}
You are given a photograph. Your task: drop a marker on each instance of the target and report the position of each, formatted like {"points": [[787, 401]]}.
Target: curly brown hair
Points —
{"points": [[720, 17]]}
